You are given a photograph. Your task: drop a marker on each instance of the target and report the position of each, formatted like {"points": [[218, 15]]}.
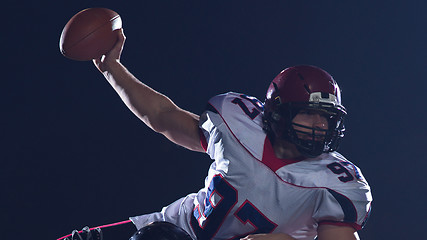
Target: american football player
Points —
{"points": [[275, 173]]}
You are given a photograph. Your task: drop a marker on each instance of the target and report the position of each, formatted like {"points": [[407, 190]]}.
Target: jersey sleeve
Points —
{"points": [[349, 206], [210, 123]]}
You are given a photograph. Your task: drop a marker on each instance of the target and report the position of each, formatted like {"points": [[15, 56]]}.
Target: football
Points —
{"points": [[89, 34]]}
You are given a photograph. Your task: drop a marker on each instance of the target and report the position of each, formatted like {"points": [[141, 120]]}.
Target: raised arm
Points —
{"points": [[156, 110]]}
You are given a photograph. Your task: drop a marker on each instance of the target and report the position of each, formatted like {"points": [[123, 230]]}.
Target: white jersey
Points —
{"points": [[249, 190]]}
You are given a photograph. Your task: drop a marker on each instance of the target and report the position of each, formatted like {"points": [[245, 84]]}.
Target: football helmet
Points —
{"points": [[161, 230], [309, 89]]}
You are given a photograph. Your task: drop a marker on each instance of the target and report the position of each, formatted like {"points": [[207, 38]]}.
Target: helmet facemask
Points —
{"points": [[310, 141]]}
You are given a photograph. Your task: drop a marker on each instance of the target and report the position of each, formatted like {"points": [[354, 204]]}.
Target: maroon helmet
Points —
{"points": [[305, 88]]}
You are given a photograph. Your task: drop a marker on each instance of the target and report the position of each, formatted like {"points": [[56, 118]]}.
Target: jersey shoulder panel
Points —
{"points": [[345, 196], [236, 114], [329, 170]]}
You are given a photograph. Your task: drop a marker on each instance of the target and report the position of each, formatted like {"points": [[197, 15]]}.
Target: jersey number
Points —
{"points": [[207, 225], [340, 169], [251, 113]]}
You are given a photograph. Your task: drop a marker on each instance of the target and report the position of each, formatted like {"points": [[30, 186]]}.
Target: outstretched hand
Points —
{"points": [[102, 63]]}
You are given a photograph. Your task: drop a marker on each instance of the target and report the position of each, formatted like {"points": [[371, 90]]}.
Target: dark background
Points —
{"points": [[73, 155]]}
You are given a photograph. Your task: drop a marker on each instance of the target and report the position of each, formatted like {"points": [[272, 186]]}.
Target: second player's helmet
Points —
{"points": [[306, 88], [160, 230]]}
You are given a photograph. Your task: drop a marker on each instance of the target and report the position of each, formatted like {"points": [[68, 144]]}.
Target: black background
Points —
{"points": [[73, 155]]}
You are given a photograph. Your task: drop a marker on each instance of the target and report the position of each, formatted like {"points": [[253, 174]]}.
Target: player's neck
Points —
{"points": [[285, 150]]}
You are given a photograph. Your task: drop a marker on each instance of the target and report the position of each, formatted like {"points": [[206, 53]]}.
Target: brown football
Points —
{"points": [[90, 34]]}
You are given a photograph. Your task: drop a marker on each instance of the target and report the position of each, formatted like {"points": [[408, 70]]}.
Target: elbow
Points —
{"points": [[153, 124]]}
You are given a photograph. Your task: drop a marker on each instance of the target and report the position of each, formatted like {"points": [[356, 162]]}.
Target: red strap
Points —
{"points": [[102, 226]]}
